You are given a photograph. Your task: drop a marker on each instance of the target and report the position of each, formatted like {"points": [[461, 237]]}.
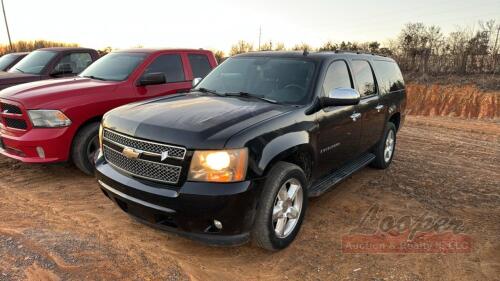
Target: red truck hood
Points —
{"points": [[47, 93]]}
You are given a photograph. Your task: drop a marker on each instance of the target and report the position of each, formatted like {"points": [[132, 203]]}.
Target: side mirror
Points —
{"points": [[63, 68], [196, 81], [152, 79], [341, 96]]}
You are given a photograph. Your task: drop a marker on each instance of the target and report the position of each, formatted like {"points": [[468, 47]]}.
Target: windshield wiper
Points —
{"points": [[248, 95], [19, 70], [94, 77], [205, 90]]}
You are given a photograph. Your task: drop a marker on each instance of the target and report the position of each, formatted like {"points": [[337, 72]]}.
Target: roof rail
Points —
{"points": [[355, 52]]}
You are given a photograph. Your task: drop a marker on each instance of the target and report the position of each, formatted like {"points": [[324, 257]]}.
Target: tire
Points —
{"points": [[85, 144], [264, 233], [382, 160]]}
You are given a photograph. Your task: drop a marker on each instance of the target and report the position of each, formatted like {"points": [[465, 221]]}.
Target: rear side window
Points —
{"points": [[365, 82], [170, 65], [77, 61], [200, 65], [336, 77], [390, 77]]}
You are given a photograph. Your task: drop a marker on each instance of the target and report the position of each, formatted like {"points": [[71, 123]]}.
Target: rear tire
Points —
{"points": [[85, 145], [282, 206], [385, 148]]}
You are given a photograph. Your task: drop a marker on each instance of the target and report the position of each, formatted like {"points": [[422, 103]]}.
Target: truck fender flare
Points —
{"points": [[280, 146]]}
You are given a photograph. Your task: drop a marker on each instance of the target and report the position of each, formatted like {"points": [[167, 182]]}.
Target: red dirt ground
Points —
{"points": [[56, 225]]}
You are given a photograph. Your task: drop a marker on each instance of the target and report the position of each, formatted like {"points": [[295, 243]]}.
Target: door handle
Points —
{"points": [[379, 107], [355, 116]]}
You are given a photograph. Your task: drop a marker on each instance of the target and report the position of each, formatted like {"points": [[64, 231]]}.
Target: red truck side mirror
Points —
{"points": [[152, 79]]}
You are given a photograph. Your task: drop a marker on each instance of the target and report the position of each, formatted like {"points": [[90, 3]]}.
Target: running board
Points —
{"points": [[339, 175]]}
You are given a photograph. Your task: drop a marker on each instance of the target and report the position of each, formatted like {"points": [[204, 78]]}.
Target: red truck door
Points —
{"points": [[172, 65]]}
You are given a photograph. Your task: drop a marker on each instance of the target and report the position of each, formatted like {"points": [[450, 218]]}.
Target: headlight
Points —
{"points": [[219, 165], [48, 118]]}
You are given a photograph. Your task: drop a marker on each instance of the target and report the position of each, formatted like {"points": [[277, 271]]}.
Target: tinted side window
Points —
{"points": [[200, 65], [77, 61], [170, 65], [337, 76], [391, 78], [363, 75]]}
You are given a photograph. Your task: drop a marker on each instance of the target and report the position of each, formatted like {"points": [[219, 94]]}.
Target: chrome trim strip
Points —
{"points": [[135, 200], [140, 140], [139, 176]]}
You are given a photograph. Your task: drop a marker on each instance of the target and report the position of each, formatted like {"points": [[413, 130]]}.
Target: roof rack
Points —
{"points": [[353, 52]]}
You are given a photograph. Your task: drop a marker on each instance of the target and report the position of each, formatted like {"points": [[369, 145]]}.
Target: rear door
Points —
{"points": [[339, 132], [200, 65], [174, 69], [370, 107]]}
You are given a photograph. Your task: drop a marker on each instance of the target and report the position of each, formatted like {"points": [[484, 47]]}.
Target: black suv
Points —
{"points": [[238, 156]]}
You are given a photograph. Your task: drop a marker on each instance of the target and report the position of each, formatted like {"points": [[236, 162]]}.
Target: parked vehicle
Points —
{"points": [[239, 156], [9, 60], [48, 63], [58, 120]]}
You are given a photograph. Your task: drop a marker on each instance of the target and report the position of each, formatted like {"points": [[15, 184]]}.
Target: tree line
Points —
{"points": [[28, 46], [419, 48]]}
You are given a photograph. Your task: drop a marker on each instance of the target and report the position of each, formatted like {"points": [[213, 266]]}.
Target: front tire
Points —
{"points": [[282, 206], [385, 148], [85, 145]]}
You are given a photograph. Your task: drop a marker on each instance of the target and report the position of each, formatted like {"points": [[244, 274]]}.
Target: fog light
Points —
{"points": [[218, 224], [40, 151]]}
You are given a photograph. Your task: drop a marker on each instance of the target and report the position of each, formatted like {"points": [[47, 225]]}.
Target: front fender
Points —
{"points": [[280, 147]]}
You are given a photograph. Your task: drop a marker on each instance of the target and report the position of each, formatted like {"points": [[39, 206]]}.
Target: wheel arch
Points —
{"points": [[293, 147], [395, 118], [82, 125]]}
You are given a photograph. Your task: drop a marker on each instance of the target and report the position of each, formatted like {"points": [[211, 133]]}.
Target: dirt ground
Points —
{"points": [[55, 224]]}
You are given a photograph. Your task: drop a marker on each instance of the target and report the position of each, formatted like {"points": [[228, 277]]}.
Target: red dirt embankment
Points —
{"points": [[466, 101]]}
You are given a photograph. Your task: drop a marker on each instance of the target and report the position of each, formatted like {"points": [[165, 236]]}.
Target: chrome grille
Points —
{"points": [[143, 168], [147, 146]]}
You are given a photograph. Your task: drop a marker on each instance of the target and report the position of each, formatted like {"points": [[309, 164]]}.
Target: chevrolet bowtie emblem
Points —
{"points": [[131, 153], [164, 155]]}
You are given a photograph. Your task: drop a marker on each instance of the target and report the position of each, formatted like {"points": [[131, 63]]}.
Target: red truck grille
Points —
{"points": [[15, 123], [10, 108], [11, 116]]}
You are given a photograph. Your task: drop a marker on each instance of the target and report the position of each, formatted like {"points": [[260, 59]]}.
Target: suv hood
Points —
{"points": [[48, 93], [8, 79], [191, 120]]}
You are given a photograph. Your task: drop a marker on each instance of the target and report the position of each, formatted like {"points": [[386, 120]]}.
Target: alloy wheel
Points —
{"points": [[389, 146], [287, 208]]}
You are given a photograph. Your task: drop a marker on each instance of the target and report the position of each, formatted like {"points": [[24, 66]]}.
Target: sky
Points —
{"points": [[217, 24]]}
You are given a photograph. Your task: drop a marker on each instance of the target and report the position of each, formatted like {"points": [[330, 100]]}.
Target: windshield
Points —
{"points": [[6, 60], [34, 63], [114, 66], [280, 79]]}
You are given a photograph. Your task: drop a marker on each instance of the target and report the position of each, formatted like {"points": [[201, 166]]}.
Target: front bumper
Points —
{"points": [[188, 210], [22, 145]]}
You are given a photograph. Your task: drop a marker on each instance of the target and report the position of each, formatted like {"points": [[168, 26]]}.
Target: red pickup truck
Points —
{"points": [[58, 120]]}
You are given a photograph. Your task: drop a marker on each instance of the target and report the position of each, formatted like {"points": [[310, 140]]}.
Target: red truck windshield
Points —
{"points": [[34, 63], [114, 66]]}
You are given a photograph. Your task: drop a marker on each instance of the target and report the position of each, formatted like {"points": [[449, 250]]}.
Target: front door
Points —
{"points": [[172, 66], [340, 130]]}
